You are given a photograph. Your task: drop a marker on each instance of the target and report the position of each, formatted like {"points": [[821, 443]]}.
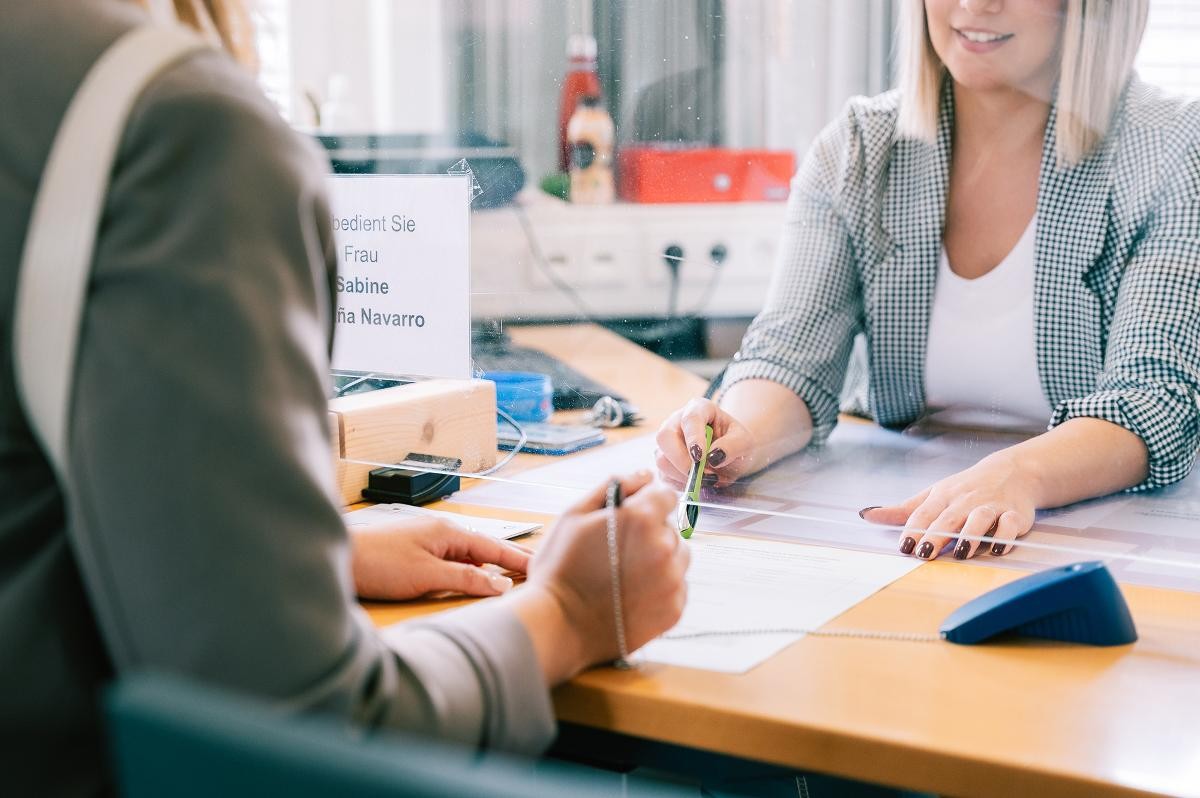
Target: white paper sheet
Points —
{"points": [[741, 583], [378, 515], [554, 487]]}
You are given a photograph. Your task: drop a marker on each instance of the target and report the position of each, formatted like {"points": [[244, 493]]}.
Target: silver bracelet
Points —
{"points": [[612, 502]]}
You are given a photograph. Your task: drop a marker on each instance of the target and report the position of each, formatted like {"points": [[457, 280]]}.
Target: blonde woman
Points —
{"points": [[201, 538], [1016, 231]]}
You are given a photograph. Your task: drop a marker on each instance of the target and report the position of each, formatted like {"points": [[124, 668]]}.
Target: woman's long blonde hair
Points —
{"points": [[1099, 42], [226, 22]]}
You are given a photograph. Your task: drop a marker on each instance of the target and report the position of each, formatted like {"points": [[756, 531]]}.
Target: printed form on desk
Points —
{"points": [[742, 584], [554, 487]]}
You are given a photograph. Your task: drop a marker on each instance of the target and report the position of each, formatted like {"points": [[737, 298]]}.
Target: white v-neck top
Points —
{"points": [[981, 359]]}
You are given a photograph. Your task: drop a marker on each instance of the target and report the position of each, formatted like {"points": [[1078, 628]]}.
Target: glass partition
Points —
{"points": [[634, 163]]}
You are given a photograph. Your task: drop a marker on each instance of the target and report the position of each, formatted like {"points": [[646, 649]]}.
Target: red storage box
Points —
{"points": [[710, 174]]}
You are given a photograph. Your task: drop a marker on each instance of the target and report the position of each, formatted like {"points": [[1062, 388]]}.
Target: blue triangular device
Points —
{"points": [[1078, 603]]}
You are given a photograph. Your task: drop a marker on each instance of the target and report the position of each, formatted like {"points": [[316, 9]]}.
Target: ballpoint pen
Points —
{"points": [[688, 512]]}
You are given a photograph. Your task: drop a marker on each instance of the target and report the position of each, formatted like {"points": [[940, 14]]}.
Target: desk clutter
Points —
{"points": [[377, 422], [445, 418], [493, 351]]}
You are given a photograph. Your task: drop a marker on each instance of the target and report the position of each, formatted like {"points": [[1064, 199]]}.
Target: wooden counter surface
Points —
{"points": [[1019, 718]]}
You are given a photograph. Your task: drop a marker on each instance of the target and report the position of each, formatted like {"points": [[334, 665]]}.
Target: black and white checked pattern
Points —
{"points": [[1116, 286]]}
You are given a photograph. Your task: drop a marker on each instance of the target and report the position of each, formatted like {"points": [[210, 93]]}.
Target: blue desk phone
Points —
{"points": [[1078, 603]]}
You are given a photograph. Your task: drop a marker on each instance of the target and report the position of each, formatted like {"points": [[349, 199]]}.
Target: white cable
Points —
{"points": [[522, 438]]}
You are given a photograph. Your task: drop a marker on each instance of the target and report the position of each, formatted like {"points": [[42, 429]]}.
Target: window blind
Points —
{"points": [[1170, 53]]}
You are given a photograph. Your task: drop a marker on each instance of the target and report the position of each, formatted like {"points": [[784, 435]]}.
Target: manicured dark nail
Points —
{"points": [[716, 457], [997, 548], [708, 480], [962, 550], [863, 513], [926, 550], [906, 545], [696, 452]]}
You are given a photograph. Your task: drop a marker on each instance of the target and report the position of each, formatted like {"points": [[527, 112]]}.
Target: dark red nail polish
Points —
{"points": [[696, 453], [708, 480], [862, 513], [716, 457], [926, 550], [907, 545], [962, 550], [997, 548]]}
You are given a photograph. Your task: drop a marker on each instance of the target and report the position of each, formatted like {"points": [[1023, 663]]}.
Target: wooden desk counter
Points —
{"points": [[1028, 717]]}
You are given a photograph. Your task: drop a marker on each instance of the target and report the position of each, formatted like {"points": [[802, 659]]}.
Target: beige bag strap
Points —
{"points": [[56, 263]]}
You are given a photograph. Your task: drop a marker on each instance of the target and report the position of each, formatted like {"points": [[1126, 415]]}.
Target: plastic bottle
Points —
{"points": [[580, 81], [591, 135]]}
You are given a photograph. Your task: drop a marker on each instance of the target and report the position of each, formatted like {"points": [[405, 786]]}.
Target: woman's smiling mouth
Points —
{"points": [[980, 41]]}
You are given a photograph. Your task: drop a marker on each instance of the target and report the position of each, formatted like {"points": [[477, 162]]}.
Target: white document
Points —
{"points": [[745, 584], [553, 488], [376, 515], [404, 274]]}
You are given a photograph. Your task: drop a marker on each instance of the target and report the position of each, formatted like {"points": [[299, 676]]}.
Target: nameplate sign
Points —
{"points": [[404, 275]]}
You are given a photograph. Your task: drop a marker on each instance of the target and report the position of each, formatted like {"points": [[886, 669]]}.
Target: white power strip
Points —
{"points": [[612, 257]]}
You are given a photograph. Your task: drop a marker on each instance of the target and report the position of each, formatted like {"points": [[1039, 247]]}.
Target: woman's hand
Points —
{"points": [[425, 555], [571, 569], [993, 498], [681, 443]]}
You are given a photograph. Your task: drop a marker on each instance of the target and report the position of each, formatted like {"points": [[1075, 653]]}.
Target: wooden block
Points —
{"points": [[448, 418], [335, 432], [350, 478]]}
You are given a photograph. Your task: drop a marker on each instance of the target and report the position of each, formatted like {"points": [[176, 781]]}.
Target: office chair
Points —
{"points": [[168, 737]]}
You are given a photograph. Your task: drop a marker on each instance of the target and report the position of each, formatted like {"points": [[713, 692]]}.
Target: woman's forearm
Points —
{"points": [[776, 417], [560, 648], [1080, 459]]}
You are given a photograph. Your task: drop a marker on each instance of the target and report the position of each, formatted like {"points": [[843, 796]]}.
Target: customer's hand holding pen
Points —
{"points": [[567, 601]]}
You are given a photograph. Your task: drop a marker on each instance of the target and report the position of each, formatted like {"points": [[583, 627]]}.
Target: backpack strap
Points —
{"points": [[56, 264]]}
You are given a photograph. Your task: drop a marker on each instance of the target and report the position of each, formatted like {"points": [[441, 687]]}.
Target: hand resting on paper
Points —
{"points": [[566, 604], [416, 556], [994, 498], [997, 497]]}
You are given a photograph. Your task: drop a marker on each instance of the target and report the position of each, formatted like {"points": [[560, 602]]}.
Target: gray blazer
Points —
{"points": [[210, 544], [1116, 287]]}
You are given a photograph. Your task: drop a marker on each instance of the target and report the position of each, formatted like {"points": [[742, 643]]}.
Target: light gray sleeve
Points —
{"points": [[804, 334], [203, 518]]}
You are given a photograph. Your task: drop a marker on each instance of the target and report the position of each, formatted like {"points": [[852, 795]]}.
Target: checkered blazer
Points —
{"points": [[1116, 285]]}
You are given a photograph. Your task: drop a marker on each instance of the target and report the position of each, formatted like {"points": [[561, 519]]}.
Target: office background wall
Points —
{"points": [[788, 65], [734, 73], [744, 74], [771, 72], [782, 68]]}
